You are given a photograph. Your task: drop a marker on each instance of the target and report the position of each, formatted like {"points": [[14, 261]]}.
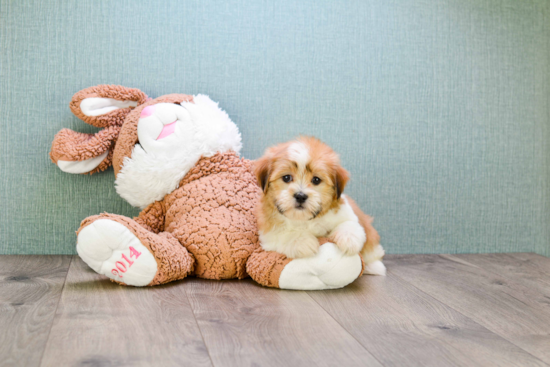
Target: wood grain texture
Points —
{"points": [[244, 324], [529, 269], [101, 323], [30, 288], [402, 326], [431, 310], [507, 308]]}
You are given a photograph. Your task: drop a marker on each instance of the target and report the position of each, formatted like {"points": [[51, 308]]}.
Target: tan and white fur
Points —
{"points": [[303, 200]]}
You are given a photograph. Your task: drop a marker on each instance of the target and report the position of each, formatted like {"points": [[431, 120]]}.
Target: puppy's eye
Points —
{"points": [[316, 180], [287, 178]]}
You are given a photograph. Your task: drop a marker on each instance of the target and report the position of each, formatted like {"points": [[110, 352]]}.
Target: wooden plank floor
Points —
{"points": [[431, 310]]}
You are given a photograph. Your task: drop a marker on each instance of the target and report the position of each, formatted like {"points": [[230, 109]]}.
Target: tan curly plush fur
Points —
{"points": [[69, 145], [211, 214], [205, 227]]}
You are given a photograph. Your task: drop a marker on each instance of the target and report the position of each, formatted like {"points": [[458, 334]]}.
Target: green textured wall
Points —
{"points": [[440, 109]]}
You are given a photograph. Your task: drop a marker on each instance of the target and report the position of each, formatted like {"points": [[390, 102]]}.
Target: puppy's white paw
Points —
{"points": [[303, 246], [349, 237], [111, 249]]}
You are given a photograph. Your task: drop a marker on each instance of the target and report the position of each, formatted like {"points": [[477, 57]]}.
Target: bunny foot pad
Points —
{"points": [[330, 268], [111, 249]]}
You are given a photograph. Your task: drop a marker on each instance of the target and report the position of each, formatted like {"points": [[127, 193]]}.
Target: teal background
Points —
{"points": [[439, 108]]}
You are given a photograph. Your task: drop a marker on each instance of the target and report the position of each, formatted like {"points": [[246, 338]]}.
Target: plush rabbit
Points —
{"points": [[176, 157]]}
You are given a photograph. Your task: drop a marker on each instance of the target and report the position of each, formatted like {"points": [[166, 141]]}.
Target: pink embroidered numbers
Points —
{"points": [[121, 265]]}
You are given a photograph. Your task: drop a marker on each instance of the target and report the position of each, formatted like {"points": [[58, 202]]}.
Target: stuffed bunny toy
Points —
{"points": [[177, 158]]}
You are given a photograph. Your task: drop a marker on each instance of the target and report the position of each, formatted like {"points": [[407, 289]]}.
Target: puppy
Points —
{"points": [[302, 201]]}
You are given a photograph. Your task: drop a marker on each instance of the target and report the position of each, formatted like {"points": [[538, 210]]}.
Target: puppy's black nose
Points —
{"points": [[300, 197]]}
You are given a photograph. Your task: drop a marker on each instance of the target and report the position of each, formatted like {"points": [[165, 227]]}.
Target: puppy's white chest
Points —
{"points": [[318, 227]]}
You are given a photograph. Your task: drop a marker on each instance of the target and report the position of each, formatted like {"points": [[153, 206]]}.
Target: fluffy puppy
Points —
{"points": [[302, 201]]}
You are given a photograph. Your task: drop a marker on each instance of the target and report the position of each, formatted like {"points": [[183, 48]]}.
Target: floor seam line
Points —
{"points": [[468, 317], [56, 308], [401, 279], [449, 257], [514, 256], [342, 326], [444, 256], [198, 326]]}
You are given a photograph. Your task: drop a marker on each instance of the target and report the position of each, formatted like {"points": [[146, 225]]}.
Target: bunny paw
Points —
{"points": [[111, 249], [330, 268]]}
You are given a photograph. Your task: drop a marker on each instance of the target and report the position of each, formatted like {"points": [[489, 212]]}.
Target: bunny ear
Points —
{"points": [[101, 106], [106, 105], [75, 152]]}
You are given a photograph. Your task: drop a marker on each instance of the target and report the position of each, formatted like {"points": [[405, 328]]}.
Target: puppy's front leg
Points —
{"points": [[304, 245], [349, 236]]}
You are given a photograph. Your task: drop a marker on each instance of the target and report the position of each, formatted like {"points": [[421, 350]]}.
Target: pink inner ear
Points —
{"points": [[167, 130], [147, 111]]}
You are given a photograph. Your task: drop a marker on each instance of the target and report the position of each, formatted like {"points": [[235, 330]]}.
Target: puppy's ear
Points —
{"points": [[262, 170], [340, 181]]}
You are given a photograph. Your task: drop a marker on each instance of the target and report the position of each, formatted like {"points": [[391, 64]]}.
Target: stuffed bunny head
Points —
{"points": [[151, 143]]}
